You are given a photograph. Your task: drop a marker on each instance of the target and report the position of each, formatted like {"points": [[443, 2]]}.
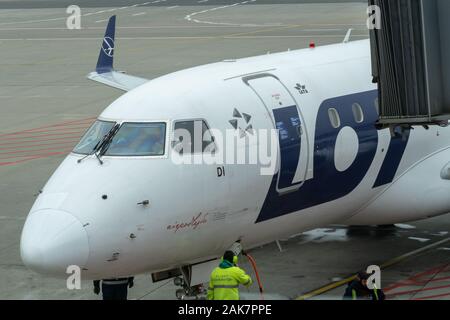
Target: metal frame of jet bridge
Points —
{"points": [[411, 62]]}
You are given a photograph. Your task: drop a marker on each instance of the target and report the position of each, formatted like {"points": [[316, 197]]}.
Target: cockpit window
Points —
{"points": [[138, 139], [193, 137], [93, 137]]}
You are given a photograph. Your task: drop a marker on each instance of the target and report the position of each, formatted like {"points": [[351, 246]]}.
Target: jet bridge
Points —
{"points": [[410, 43]]}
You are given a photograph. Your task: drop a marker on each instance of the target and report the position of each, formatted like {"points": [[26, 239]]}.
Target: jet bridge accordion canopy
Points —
{"points": [[411, 60]]}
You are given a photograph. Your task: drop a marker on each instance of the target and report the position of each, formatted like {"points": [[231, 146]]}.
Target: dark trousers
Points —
{"points": [[115, 291]]}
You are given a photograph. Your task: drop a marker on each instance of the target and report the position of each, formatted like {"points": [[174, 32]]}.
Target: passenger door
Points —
{"points": [[287, 119]]}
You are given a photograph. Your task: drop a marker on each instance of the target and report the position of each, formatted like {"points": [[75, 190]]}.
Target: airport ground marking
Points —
{"points": [[277, 28], [344, 27], [84, 15], [433, 297], [385, 265], [187, 38], [190, 16], [415, 291], [416, 280], [421, 283], [41, 142]]}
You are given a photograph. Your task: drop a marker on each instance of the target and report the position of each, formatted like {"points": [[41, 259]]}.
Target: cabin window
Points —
{"points": [[138, 139], [93, 137], [358, 113], [335, 120], [193, 136]]}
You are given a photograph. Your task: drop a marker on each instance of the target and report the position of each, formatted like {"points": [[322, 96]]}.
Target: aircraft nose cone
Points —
{"points": [[52, 240]]}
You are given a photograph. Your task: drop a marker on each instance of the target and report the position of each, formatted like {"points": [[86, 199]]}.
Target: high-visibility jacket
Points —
{"points": [[356, 291], [225, 281]]}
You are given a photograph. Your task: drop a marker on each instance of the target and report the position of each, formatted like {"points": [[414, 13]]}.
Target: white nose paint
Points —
{"points": [[52, 240], [347, 147]]}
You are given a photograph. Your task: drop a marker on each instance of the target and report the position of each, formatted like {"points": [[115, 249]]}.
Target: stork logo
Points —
{"points": [[108, 46], [246, 128]]}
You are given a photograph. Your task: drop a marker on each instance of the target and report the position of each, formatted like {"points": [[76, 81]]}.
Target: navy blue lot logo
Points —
{"points": [[328, 183]]}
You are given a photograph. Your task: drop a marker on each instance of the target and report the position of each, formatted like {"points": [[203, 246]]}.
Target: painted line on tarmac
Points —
{"points": [[83, 15], [55, 134], [186, 38], [155, 289], [86, 121], [316, 29], [433, 297], [385, 265], [31, 144], [28, 146], [190, 17], [31, 152], [11, 218], [35, 157], [57, 129], [403, 293], [53, 140]]}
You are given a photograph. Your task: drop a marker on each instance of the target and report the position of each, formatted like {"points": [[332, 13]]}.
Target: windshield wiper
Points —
{"points": [[107, 137], [105, 145]]}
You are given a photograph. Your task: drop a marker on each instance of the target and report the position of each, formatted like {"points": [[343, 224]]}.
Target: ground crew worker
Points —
{"points": [[358, 289], [226, 278], [114, 289]]}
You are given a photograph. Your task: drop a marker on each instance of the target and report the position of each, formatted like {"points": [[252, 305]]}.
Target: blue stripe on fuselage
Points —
{"points": [[328, 183], [394, 155]]}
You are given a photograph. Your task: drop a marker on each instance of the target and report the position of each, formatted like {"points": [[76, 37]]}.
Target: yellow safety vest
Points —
{"points": [[375, 291], [225, 281]]}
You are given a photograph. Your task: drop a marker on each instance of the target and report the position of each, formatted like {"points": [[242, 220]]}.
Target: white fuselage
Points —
{"points": [[348, 174]]}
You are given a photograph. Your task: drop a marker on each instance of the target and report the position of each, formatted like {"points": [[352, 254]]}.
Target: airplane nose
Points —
{"points": [[52, 240]]}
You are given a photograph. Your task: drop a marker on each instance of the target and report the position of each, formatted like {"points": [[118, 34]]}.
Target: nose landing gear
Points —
{"points": [[187, 292]]}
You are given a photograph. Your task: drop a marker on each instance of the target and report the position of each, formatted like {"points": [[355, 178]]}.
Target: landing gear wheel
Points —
{"points": [[188, 292], [191, 293], [180, 294]]}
